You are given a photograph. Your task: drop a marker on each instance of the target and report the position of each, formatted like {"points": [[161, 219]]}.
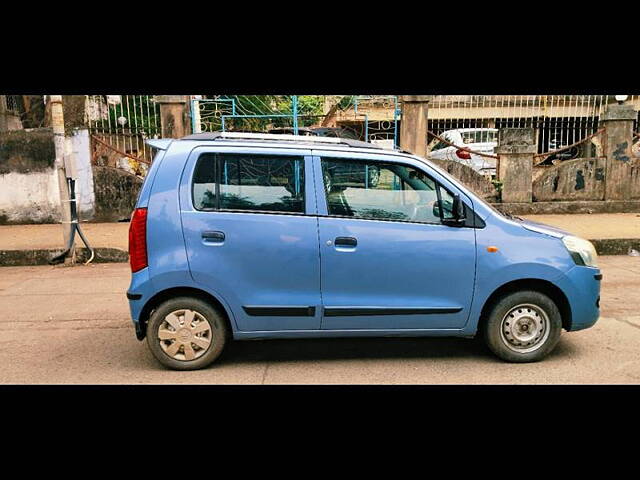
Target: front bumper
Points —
{"points": [[581, 285]]}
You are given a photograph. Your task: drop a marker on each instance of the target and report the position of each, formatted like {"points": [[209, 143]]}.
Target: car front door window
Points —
{"points": [[379, 191]]}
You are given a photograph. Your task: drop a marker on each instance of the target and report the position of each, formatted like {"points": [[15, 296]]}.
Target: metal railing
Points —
{"points": [[125, 122], [560, 120], [261, 113], [13, 104], [371, 128], [254, 113]]}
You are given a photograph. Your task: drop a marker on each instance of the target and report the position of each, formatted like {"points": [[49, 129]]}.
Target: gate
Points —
{"points": [[119, 126], [291, 113], [369, 123], [255, 113]]}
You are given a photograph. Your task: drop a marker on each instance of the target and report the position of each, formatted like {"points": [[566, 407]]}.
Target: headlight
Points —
{"points": [[582, 251]]}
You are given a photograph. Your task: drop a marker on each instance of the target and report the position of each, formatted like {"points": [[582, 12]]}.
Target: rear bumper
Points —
{"points": [[138, 294], [581, 285]]}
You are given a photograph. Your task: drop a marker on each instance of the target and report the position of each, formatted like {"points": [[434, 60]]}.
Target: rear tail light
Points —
{"points": [[463, 154], [138, 239]]}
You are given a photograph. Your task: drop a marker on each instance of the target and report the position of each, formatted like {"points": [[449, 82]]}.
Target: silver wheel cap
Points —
{"points": [[185, 335], [525, 328]]}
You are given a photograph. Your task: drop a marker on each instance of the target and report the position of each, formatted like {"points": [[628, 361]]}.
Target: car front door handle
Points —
{"points": [[213, 237], [345, 242]]}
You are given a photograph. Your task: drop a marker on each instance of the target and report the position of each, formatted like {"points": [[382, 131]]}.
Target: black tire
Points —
{"points": [[545, 332], [217, 336]]}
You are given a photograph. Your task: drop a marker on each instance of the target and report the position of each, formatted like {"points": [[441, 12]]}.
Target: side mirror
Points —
{"points": [[457, 210]]}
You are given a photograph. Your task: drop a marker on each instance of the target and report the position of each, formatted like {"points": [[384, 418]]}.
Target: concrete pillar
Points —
{"points": [[616, 147], [413, 127], [516, 147], [3, 113], [174, 115], [196, 123]]}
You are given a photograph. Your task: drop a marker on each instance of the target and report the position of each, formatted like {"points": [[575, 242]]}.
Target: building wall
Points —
{"points": [[28, 181], [116, 193], [13, 122], [29, 197]]}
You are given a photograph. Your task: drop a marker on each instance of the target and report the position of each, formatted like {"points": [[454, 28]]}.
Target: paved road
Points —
{"points": [[71, 325]]}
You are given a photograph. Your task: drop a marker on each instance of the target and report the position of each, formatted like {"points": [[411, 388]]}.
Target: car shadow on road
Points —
{"points": [[353, 348], [336, 349], [327, 349]]}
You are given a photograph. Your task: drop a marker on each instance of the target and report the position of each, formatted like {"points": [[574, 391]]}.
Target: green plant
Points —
{"points": [[498, 186]]}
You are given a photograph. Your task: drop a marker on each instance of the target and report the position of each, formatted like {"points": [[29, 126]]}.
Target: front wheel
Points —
{"points": [[186, 333], [523, 327]]}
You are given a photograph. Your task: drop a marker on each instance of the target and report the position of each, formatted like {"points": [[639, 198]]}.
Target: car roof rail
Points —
{"points": [[271, 137]]}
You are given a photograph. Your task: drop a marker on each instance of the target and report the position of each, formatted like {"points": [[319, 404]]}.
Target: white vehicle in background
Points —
{"points": [[483, 140]]}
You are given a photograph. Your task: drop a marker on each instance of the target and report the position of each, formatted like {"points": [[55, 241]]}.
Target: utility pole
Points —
{"points": [[57, 122]]}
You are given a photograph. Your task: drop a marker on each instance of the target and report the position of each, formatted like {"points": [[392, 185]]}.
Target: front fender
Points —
{"points": [[488, 283]]}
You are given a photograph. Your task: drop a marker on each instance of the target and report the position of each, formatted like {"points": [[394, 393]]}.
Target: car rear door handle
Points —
{"points": [[213, 238], [345, 242]]}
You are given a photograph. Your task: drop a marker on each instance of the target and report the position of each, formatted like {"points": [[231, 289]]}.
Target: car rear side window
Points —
{"points": [[247, 182]]}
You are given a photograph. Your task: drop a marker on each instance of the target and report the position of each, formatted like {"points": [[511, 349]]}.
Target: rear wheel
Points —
{"points": [[186, 333], [523, 327]]}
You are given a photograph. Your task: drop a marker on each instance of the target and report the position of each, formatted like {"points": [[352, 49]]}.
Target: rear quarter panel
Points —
{"points": [[165, 242]]}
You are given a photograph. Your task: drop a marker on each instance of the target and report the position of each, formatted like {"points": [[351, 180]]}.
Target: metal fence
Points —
{"points": [[367, 121], [255, 113], [559, 120], [14, 104], [124, 122], [291, 113]]}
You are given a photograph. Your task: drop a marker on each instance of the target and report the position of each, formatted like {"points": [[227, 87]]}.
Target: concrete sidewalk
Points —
{"points": [[612, 234], [49, 236], [22, 245], [595, 226]]}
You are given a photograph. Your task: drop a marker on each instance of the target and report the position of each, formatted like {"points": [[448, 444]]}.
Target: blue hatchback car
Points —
{"points": [[249, 236]]}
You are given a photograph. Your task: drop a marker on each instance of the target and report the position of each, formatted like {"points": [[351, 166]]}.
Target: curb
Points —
{"points": [[616, 246], [23, 258], [569, 207]]}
